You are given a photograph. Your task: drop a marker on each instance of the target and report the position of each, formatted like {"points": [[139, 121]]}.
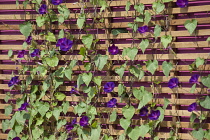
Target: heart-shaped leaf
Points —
{"points": [[144, 44], [144, 129], [198, 134], [86, 77], [26, 28], [166, 39], [206, 102], [134, 134], [52, 61], [206, 81], [100, 61], [120, 71], [158, 7], [191, 25], [125, 123], [87, 40], [128, 111], [167, 67], [130, 52], [199, 61], [157, 31], [139, 8], [152, 66]]}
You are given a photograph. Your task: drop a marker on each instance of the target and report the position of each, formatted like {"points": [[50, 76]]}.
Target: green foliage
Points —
{"points": [[134, 133], [133, 26], [158, 7], [5, 125], [87, 40], [130, 52], [206, 80], [192, 90], [25, 28], [144, 129], [191, 25], [137, 71], [87, 77], [8, 110], [152, 66], [118, 31], [166, 102], [127, 7], [198, 134], [165, 40], [144, 44], [52, 61], [60, 96], [205, 103], [113, 116], [157, 31], [10, 53], [100, 61], [145, 97], [121, 89], [147, 17], [50, 37], [199, 61], [120, 71], [81, 21], [128, 112], [97, 80], [125, 123], [139, 8], [167, 67], [40, 21]]}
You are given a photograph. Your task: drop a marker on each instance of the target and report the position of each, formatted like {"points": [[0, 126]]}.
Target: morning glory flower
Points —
{"points": [[64, 43], [143, 29], [23, 106], [56, 2], [182, 3], [35, 53], [173, 83], [28, 40], [43, 9], [109, 86], [21, 54], [194, 78], [154, 115], [71, 125], [83, 121], [143, 111], [113, 50], [16, 138], [14, 81], [192, 107], [112, 103]]}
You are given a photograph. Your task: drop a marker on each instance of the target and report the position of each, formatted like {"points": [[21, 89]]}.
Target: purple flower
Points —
{"points": [[194, 78], [16, 138], [21, 54], [143, 111], [112, 102], [113, 50], [182, 3], [154, 115], [43, 9], [192, 107], [13, 81], [69, 139], [70, 126], [64, 43], [35, 53], [28, 40], [56, 2], [23, 106], [109, 86], [143, 29], [173, 83], [83, 121]]}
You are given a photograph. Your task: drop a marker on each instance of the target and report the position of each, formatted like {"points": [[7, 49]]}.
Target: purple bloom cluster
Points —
{"points": [[173, 82], [143, 111], [56, 2], [154, 115], [28, 40], [14, 81], [109, 87], [143, 29], [70, 126], [64, 44], [194, 79], [182, 3], [43, 9], [113, 50], [192, 107], [21, 54], [112, 103], [16, 138], [73, 90], [23, 106], [35, 53], [84, 121]]}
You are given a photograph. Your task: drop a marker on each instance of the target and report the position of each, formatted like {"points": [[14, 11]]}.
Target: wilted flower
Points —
{"points": [[21, 54], [43, 9], [109, 86], [35, 53], [113, 50], [23, 106], [28, 40], [16, 138], [194, 78], [143, 111], [182, 3], [192, 107], [112, 102], [143, 29], [83, 121], [71, 125], [154, 115], [173, 83], [56, 2], [14, 80], [64, 43]]}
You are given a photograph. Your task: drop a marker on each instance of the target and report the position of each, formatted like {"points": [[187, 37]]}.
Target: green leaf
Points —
{"points": [[207, 134], [191, 25], [208, 39], [20, 117], [128, 111], [43, 108], [37, 132], [127, 6], [130, 52], [87, 77], [26, 28], [103, 5], [80, 108], [120, 71], [206, 80], [100, 61], [61, 34], [65, 106], [133, 26], [97, 80], [12, 134], [198, 134], [8, 110], [121, 89], [167, 0], [39, 121], [113, 116], [118, 31], [146, 97], [152, 66], [205, 103], [193, 116], [60, 96], [137, 93], [122, 137], [61, 123], [79, 81], [138, 72], [7, 97], [158, 7], [166, 102], [157, 31], [17, 3], [199, 61], [49, 114], [68, 73], [144, 44], [192, 90], [40, 20], [161, 117], [134, 134], [56, 112], [167, 67], [81, 21], [139, 19], [95, 133], [165, 40], [144, 129], [139, 8], [52, 61], [87, 40], [87, 66], [125, 123], [5, 125], [50, 37], [10, 53], [58, 82], [147, 17]]}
